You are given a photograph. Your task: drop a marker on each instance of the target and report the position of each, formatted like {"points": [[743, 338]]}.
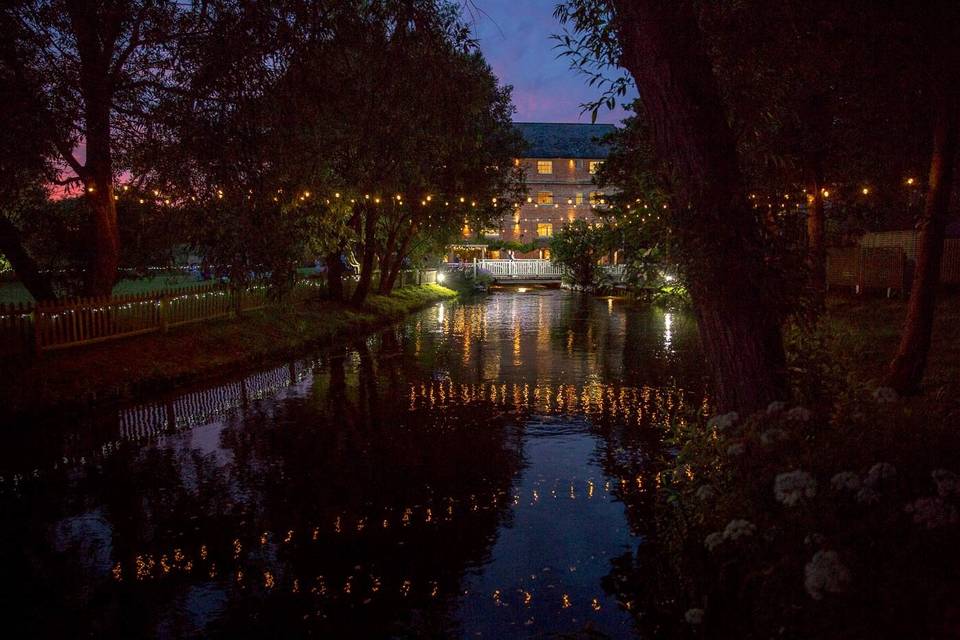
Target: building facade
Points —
{"points": [[560, 162]]}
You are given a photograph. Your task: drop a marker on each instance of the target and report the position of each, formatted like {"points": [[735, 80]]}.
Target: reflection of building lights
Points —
{"points": [[522, 290], [667, 330]]}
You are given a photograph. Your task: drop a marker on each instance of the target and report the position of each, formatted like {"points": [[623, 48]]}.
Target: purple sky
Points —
{"points": [[515, 38]]}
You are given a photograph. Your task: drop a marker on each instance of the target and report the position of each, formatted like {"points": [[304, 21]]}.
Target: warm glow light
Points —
{"points": [[910, 181], [826, 194], [865, 191]]}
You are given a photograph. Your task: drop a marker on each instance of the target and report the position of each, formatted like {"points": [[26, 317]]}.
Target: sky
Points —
{"points": [[514, 36]]}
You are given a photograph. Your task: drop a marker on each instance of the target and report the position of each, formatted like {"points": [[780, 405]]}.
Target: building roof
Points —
{"points": [[564, 140]]}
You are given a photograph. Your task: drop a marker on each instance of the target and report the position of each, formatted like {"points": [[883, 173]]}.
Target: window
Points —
{"points": [[544, 166], [545, 197], [491, 233], [595, 165], [579, 198], [544, 230], [595, 197]]}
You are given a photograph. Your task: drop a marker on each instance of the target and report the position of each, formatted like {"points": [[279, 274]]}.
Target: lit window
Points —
{"points": [[544, 166], [544, 197], [595, 165], [491, 233], [544, 230], [579, 199], [595, 197]]}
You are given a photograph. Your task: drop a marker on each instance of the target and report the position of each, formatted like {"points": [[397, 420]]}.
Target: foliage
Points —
{"points": [[817, 516], [578, 247], [275, 167], [519, 247]]}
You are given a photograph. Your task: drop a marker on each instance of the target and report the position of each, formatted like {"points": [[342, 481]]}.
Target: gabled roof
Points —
{"points": [[564, 140]]}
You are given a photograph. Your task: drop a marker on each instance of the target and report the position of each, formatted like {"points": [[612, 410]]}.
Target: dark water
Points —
{"points": [[476, 471]]}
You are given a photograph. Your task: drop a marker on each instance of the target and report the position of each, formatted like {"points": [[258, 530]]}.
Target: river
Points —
{"points": [[478, 470]]}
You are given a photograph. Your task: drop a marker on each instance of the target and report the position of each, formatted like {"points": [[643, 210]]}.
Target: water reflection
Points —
{"points": [[464, 473]]}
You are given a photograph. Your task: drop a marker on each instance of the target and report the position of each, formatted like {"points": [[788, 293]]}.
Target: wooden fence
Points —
{"points": [[61, 324], [867, 268], [885, 267]]}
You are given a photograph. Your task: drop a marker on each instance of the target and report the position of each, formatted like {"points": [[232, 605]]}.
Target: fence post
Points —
{"points": [[37, 330], [164, 319]]}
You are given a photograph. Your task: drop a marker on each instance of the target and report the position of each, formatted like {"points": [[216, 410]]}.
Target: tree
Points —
{"points": [[939, 28], [716, 230], [91, 71], [578, 247]]}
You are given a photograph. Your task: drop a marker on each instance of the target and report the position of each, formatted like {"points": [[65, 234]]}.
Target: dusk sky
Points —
{"points": [[515, 38]]}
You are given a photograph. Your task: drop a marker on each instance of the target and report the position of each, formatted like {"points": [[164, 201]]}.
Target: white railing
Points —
{"points": [[526, 269], [521, 269]]}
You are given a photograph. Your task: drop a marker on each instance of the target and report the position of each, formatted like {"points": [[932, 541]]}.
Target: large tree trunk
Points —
{"points": [[11, 245], [905, 372], [717, 231], [104, 258], [815, 127], [387, 262], [96, 36], [334, 276], [369, 253], [816, 225], [397, 267]]}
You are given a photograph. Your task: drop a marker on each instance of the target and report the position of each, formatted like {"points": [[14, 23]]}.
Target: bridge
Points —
{"points": [[532, 271]]}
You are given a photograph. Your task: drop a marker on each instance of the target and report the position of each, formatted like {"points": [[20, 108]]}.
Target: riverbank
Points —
{"points": [[768, 513], [128, 369]]}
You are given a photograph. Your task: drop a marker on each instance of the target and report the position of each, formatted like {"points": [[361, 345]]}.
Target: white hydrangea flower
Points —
{"points": [[706, 492], [845, 481], [793, 487], [736, 449], [878, 472], [739, 529], [772, 435], [883, 395], [776, 406], [800, 414], [714, 540], [825, 574], [693, 616], [948, 483], [932, 512], [724, 421]]}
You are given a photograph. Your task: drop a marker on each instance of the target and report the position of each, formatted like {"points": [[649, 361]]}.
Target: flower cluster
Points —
{"points": [[794, 487], [948, 483], [845, 481], [932, 512], [723, 421], [706, 492], [734, 530], [825, 574]]}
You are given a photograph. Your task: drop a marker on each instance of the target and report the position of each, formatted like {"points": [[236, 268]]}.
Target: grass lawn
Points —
{"points": [[14, 292], [863, 334], [141, 365]]}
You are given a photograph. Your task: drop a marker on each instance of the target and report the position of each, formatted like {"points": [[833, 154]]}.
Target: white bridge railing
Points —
{"points": [[521, 269], [527, 269]]}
